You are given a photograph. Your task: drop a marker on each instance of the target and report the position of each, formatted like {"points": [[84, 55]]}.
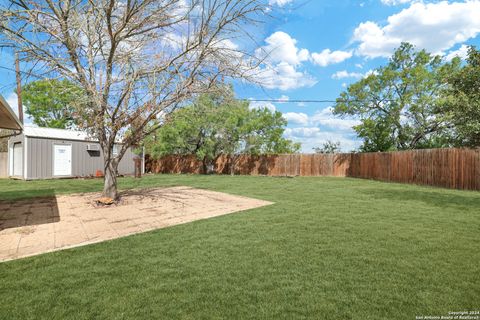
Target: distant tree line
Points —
{"points": [[218, 124]]}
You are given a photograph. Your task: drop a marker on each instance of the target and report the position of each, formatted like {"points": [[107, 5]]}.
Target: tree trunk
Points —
{"points": [[204, 165], [208, 166], [233, 162], [110, 180]]}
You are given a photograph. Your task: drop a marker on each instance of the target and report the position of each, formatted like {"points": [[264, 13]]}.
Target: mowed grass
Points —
{"points": [[329, 248]]}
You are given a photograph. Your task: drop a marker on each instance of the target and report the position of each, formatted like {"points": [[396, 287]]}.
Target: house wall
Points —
{"points": [[3, 164], [84, 163]]}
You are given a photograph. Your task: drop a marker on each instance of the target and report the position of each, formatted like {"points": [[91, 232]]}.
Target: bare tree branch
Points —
{"points": [[136, 60]]}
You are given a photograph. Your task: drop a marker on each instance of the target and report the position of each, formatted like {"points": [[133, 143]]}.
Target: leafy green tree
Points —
{"points": [[220, 124], [462, 107], [397, 103], [328, 147], [51, 102]]}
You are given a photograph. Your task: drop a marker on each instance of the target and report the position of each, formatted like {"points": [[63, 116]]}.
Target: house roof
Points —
{"points": [[8, 119], [60, 134]]}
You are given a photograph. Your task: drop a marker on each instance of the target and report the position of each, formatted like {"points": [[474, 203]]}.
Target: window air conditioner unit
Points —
{"points": [[93, 147]]}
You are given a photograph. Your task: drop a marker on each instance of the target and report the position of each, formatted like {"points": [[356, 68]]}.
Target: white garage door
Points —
{"points": [[17, 160], [62, 160]]}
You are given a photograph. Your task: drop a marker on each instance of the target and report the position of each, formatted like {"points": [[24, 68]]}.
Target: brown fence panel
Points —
{"points": [[448, 168]]}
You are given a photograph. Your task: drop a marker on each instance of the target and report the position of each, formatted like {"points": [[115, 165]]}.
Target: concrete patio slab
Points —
{"points": [[35, 226]]}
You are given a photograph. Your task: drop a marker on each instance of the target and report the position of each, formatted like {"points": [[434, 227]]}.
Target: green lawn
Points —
{"points": [[329, 248]]}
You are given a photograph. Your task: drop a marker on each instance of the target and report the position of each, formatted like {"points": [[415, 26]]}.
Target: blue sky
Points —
{"points": [[318, 47]]}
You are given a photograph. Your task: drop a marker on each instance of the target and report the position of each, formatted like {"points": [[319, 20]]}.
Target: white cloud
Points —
{"points": [[323, 117], [345, 74], [284, 98], [279, 3], [369, 72], [326, 118], [296, 118], [328, 57], [435, 27], [312, 137], [313, 131], [282, 48], [283, 62], [13, 103], [284, 76], [336, 123], [462, 53], [259, 104], [302, 132], [373, 41], [395, 2]]}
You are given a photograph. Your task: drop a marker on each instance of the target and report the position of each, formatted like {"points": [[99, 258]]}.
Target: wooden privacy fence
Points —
{"points": [[448, 168]]}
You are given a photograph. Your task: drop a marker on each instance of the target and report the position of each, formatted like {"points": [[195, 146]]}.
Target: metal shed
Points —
{"points": [[46, 153]]}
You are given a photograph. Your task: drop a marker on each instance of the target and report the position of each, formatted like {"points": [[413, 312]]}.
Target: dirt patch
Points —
{"points": [[69, 221]]}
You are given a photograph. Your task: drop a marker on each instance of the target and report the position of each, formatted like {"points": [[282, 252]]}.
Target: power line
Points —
{"points": [[293, 100], [325, 101], [26, 73], [255, 100], [251, 100]]}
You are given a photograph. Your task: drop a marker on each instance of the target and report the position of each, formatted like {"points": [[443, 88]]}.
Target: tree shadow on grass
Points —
{"points": [[158, 194], [15, 213], [437, 198], [251, 165]]}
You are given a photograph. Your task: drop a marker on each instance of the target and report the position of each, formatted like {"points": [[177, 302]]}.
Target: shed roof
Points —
{"points": [[8, 119], [60, 134]]}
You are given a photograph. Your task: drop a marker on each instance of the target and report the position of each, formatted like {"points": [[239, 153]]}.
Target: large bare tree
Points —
{"points": [[136, 60]]}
